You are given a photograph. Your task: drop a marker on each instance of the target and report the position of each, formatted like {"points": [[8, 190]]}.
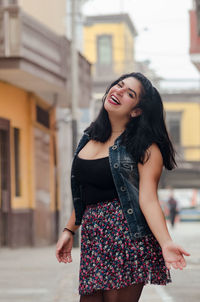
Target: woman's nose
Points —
{"points": [[121, 90]]}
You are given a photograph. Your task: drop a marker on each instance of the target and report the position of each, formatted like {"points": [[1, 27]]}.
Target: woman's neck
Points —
{"points": [[117, 126], [116, 132]]}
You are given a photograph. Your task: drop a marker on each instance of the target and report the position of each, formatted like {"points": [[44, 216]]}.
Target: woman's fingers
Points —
{"points": [[64, 257], [69, 257], [183, 262], [58, 254], [179, 264], [183, 251], [168, 265], [63, 250], [175, 257], [174, 265], [59, 248]]}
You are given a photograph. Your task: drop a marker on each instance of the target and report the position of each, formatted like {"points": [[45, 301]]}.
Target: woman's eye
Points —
{"points": [[119, 84], [131, 95]]}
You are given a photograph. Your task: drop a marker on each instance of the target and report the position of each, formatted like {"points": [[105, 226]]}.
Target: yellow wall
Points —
{"points": [[122, 40], [123, 49], [17, 106], [14, 106], [51, 13], [190, 127]]}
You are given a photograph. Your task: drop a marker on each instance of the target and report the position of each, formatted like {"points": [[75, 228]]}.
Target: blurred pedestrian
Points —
{"points": [[125, 242], [173, 209]]}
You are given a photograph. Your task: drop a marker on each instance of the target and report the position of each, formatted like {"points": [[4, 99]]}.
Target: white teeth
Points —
{"points": [[114, 99]]}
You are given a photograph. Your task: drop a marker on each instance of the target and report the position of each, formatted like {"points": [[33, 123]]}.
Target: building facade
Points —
{"points": [[183, 110], [182, 118], [35, 81], [195, 34], [50, 13], [28, 150], [109, 43]]}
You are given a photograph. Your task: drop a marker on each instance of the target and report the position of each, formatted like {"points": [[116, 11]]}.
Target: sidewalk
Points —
{"points": [[34, 275], [30, 275]]}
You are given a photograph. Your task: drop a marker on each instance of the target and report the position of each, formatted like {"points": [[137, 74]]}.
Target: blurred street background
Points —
{"points": [[33, 274], [56, 60]]}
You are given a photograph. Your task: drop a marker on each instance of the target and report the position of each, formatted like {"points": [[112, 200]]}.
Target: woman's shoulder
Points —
{"points": [[154, 148], [153, 154]]}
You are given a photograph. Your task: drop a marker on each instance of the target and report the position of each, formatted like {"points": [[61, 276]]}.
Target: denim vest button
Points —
{"points": [[130, 211], [123, 189], [137, 235], [114, 147], [116, 165]]}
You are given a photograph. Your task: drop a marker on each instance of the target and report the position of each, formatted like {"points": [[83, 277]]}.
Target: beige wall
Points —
{"points": [[51, 13]]}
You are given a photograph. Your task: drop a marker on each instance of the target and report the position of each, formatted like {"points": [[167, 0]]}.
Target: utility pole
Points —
{"points": [[74, 74], [74, 86], [75, 9]]}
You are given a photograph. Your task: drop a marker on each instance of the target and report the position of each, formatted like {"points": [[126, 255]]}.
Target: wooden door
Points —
{"points": [[5, 183]]}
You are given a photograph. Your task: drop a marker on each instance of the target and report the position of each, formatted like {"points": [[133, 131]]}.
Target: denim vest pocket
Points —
{"points": [[129, 171]]}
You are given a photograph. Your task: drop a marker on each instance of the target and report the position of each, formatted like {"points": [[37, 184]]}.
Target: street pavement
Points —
{"points": [[34, 275]]}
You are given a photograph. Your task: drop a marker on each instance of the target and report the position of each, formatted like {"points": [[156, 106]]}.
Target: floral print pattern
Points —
{"points": [[110, 259]]}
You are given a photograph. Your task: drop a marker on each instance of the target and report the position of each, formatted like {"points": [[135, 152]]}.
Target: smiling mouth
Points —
{"points": [[114, 100]]}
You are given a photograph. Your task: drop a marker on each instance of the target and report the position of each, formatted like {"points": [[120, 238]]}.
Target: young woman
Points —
{"points": [[125, 242]]}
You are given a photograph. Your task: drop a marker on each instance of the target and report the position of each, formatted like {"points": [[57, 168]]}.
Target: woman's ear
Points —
{"points": [[136, 112]]}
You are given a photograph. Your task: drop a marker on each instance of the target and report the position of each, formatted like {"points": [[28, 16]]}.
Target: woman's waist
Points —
{"points": [[93, 195]]}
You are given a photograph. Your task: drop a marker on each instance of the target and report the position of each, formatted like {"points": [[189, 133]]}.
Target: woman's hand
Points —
{"points": [[174, 255], [64, 247]]}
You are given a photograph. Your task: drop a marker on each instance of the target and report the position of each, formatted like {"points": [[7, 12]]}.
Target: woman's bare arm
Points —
{"points": [[65, 242], [71, 222], [150, 173]]}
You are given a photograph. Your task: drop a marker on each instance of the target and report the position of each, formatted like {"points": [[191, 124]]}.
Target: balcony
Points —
{"points": [[105, 74], [186, 175], [194, 39], [36, 59]]}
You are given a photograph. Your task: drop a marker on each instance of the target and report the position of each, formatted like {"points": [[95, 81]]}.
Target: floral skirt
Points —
{"points": [[110, 259]]}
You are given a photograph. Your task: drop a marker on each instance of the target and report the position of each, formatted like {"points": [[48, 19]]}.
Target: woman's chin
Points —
{"points": [[110, 107]]}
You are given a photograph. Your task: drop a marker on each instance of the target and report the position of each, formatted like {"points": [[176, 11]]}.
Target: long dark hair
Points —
{"points": [[141, 131]]}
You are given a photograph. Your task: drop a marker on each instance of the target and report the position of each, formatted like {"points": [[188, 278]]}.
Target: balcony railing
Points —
{"points": [[22, 36], [113, 70], [34, 57]]}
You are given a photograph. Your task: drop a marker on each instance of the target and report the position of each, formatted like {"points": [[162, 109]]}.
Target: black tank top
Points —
{"points": [[95, 178]]}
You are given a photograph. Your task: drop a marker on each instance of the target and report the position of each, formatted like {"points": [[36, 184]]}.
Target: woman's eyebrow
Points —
{"points": [[130, 89], [133, 91]]}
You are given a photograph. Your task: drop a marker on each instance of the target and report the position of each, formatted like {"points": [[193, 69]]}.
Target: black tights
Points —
{"points": [[127, 294]]}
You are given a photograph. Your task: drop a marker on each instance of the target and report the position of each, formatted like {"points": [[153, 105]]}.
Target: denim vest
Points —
{"points": [[126, 178]]}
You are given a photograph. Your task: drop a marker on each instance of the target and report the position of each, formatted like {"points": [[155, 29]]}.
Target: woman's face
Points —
{"points": [[123, 97]]}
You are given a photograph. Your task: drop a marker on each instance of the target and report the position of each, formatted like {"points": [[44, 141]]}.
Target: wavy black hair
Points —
{"points": [[141, 131]]}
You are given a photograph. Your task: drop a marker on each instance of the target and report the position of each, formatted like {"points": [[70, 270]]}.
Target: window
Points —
{"points": [[174, 129], [42, 116], [174, 126], [104, 48], [3, 160], [17, 161], [8, 2]]}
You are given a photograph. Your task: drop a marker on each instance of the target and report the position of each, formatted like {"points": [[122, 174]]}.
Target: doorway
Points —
{"points": [[5, 184]]}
